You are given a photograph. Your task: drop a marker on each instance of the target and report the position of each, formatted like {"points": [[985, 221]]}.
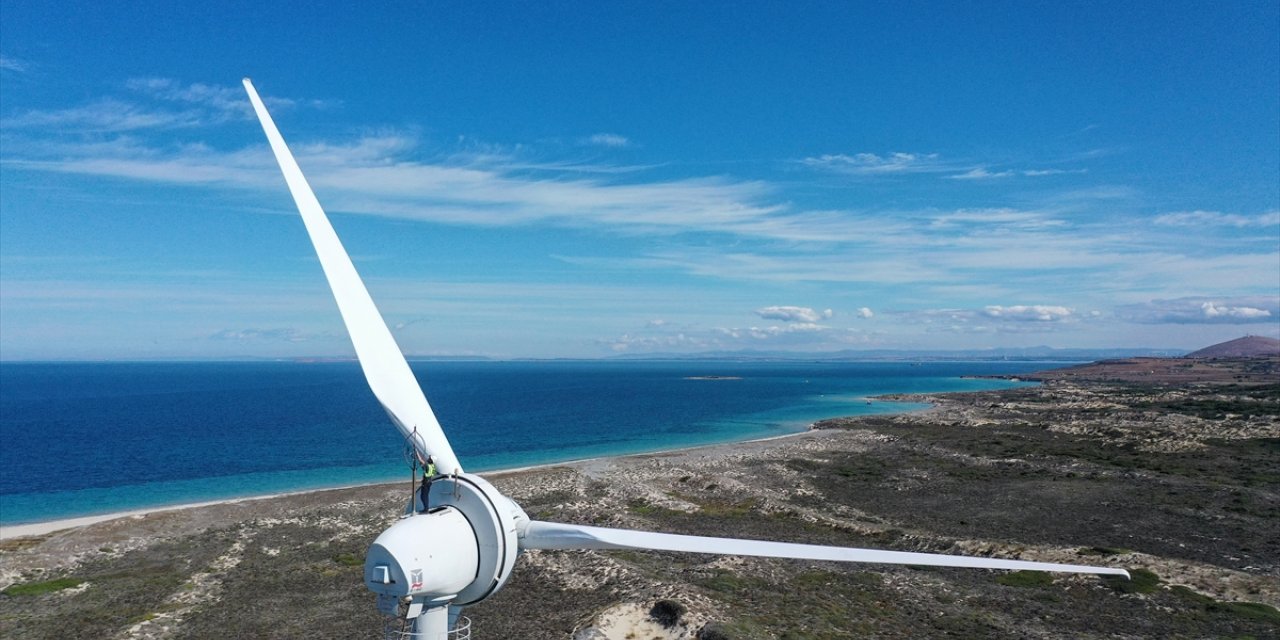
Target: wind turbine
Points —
{"points": [[461, 546]]}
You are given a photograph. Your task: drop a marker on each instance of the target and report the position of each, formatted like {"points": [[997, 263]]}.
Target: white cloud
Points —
{"points": [[991, 318], [793, 314], [773, 331], [220, 98], [979, 173], [271, 335], [799, 333], [1003, 218], [1028, 313], [865, 312], [1218, 219], [149, 104], [373, 175], [382, 175], [9, 63], [1212, 311], [105, 115], [1201, 310], [1035, 173], [870, 163], [746, 229], [608, 140], [802, 335], [629, 343]]}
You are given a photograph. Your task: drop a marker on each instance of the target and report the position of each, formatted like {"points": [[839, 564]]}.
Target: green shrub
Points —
{"points": [[1251, 610], [1141, 581], [39, 588], [1101, 551], [348, 559], [667, 612]]}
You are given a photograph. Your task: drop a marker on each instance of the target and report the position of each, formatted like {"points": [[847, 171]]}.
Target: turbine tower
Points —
{"points": [[461, 546]]}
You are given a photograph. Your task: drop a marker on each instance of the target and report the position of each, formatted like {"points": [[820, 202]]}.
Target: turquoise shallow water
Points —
{"points": [[84, 439]]}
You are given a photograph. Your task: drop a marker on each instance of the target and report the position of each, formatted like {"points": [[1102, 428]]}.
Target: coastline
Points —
{"points": [[35, 493], [48, 527], [1070, 471]]}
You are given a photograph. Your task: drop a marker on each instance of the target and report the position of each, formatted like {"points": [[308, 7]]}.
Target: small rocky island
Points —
{"points": [[1167, 467]]}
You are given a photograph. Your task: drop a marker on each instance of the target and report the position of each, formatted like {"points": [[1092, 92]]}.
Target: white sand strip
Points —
{"points": [[43, 528]]}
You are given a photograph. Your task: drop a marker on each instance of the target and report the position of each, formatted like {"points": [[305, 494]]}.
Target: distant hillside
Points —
{"points": [[1246, 347]]}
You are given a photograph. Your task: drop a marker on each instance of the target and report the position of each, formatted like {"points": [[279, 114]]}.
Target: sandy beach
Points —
{"points": [[1174, 479], [51, 526]]}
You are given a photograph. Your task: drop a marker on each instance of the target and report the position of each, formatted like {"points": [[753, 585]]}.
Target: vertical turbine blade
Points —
{"points": [[384, 365]]}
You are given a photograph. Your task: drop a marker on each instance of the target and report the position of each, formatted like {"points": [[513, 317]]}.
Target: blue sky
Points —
{"points": [[579, 180]]}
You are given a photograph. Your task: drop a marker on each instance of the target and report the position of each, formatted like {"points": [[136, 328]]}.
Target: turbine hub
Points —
{"points": [[495, 521]]}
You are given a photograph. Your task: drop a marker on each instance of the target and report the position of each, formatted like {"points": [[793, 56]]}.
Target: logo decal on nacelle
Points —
{"points": [[415, 580]]}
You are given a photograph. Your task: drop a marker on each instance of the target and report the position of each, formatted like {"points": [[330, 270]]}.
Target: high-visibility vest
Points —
{"points": [[429, 471]]}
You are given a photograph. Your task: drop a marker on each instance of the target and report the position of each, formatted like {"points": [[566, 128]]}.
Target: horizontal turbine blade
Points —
{"points": [[554, 535], [380, 357]]}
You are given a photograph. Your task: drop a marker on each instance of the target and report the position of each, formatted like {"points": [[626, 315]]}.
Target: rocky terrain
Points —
{"points": [[1170, 468]]}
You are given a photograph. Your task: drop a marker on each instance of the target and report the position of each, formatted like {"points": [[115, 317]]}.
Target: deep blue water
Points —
{"points": [[80, 439]]}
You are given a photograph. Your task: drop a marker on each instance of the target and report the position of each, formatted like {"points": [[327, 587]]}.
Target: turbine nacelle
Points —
{"points": [[459, 550], [430, 555]]}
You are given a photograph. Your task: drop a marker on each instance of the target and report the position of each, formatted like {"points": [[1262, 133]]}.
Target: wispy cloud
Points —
{"points": [[201, 294], [1203, 310], [147, 104], [1212, 311], [982, 173], [1035, 173], [265, 335], [1218, 219], [105, 115], [995, 318], [802, 335], [710, 226], [10, 63], [1028, 313], [798, 333], [871, 163], [793, 314], [377, 176], [772, 332], [607, 140], [1005, 219], [226, 99]]}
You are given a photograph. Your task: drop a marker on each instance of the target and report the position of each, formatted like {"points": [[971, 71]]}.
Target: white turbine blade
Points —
{"points": [[554, 535], [384, 365]]}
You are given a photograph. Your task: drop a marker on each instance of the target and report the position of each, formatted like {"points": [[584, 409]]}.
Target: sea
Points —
{"points": [[80, 439]]}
